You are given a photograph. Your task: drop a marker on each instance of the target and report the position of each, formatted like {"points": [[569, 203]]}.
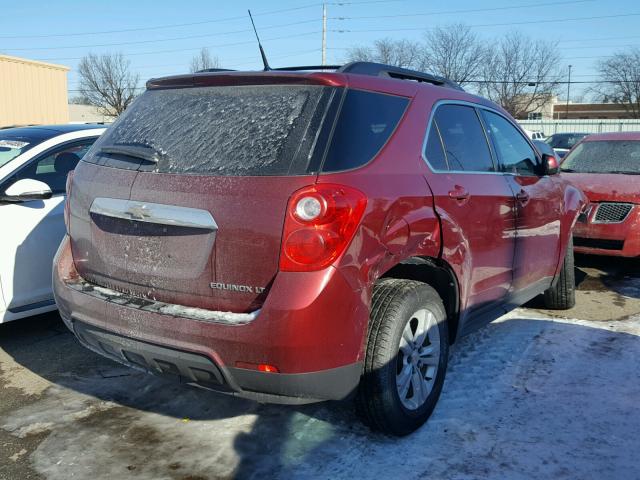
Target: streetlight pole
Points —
{"points": [[568, 92]]}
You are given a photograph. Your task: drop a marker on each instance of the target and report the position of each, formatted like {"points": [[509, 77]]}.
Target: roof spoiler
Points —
{"points": [[359, 68]]}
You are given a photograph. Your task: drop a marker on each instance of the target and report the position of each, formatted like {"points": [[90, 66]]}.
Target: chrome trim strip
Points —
{"points": [[155, 213], [146, 305]]}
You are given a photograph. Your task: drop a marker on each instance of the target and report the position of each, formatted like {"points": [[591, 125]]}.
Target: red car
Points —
{"points": [[607, 169], [296, 236]]}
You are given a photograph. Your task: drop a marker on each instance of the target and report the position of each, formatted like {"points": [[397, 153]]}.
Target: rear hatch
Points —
{"points": [[183, 200]]}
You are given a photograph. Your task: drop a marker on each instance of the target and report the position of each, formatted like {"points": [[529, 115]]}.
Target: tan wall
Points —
{"points": [[87, 113], [32, 92]]}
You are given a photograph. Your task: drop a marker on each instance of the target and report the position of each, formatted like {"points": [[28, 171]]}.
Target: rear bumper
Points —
{"points": [[201, 371], [613, 239], [311, 327]]}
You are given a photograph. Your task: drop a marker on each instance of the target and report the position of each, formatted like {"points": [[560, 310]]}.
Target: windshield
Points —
{"points": [[566, 141], [12, 146], [604, 156]]}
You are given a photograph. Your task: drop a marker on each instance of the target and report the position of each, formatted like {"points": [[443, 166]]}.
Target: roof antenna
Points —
{"points": [[264, 57]]}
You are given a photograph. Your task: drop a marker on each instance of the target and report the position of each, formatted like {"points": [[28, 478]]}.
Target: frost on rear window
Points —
{"points": [[246, 130]]}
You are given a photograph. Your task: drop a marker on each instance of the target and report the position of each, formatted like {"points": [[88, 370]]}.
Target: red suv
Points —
{"points": [[295, 236]]}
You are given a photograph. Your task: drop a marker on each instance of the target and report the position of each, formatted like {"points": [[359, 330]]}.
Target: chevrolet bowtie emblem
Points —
{"points": [[138, 212]]}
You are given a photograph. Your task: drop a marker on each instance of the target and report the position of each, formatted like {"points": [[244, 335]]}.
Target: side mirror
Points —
{"points": [[550, 164], [27, 189]]}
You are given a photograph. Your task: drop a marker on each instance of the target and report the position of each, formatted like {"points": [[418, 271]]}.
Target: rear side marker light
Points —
{"points": [[261, 367], [320, 223]]}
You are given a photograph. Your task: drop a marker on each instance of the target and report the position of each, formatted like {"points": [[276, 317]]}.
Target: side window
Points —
{"points": [[52, 168], [434, 150], [464, 140], [367, 120], [514, 152]]}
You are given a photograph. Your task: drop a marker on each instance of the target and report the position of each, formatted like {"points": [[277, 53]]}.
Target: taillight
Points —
{"points": [[67, 199], [321, 221]]}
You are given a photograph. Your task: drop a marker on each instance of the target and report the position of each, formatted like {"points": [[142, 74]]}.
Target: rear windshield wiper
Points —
{"points": [[623, 172], [567, 170], [134, 151]]}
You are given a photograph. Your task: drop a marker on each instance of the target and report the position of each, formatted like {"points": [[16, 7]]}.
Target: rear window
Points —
{"points": [[251, 130]]}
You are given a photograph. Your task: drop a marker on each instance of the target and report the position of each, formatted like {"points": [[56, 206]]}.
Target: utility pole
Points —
{"points": [[324, 34], [568, 93]]}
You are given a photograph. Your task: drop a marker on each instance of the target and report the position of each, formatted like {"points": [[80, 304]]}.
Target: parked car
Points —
{"points": [[534, 135], [545, 149], [34, 162], [297, 236], [607, 169], [563, 142]]}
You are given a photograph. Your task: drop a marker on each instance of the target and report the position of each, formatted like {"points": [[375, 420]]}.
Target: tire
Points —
{"points": [[562, 296], [398, 304]]}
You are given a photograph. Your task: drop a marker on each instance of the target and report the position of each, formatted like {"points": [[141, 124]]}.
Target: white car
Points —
{"points": [[34, 163], [534, 135]]}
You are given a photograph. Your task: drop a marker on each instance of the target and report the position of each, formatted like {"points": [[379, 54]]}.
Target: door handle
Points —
{"points": [[459, 193], [523, 197]]}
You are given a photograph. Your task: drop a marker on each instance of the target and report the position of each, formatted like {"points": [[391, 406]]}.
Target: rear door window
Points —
{"points": [[464, 139]]}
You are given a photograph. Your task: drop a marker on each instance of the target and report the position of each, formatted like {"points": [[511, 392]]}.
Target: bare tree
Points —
{"points": [[204, 60], [454, 52], [107, 82], [401, 53], [79, 100], [521, 74], [620, 81]]}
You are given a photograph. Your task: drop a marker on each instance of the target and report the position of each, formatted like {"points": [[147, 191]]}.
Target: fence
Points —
{"points": [[549, 127]]}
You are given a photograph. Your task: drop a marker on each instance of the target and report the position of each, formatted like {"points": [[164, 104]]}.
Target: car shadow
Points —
{"points": [[484, 424], [608, 273], [600, 274]]}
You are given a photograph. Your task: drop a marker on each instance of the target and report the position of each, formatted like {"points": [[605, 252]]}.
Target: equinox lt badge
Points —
{"points": [[236, 288]]}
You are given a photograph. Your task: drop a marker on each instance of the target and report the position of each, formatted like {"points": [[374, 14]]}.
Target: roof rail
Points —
{"points": [[382, 70], [310, 67], [213, 70], [366, 68]]}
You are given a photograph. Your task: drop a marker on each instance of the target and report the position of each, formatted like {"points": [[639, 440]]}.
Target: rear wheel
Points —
{"points": [[406, 357], [562, 296]]}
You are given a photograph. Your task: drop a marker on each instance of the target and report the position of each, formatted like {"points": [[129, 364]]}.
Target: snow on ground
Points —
{"points": [[532, 395], [524, 397]]}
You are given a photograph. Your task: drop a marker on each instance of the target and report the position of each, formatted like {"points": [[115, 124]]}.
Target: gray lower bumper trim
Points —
{"points": [[199, 314]]}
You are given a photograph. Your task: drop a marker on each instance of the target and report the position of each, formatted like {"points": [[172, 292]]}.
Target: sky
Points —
{"points": [[160, 37]]}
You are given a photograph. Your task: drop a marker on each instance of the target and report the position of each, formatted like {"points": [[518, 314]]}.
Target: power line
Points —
{"points": [[474, 10], [137, 42], [531, 22], [495, 82], [247, 42], [234, 62], [161, 27]]}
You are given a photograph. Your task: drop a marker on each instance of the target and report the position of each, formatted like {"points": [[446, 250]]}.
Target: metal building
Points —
{"points": [[32, 92]]}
